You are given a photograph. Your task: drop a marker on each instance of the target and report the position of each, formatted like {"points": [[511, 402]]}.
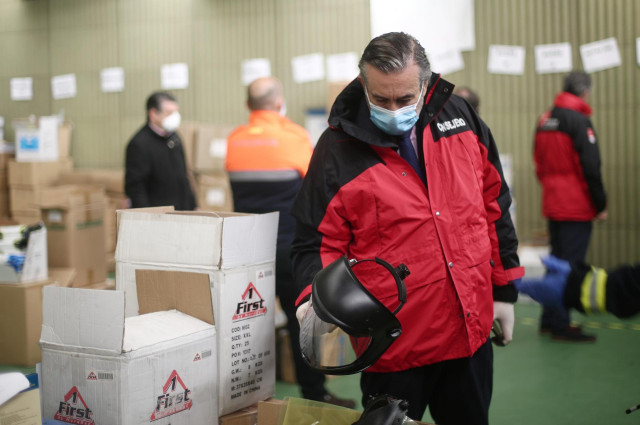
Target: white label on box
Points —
{"points": [[28, 140], [21, 88], [63, 86], [218, 148], [215, 197], [600, 55], [638, 50], [54, 216], [246, 339], [552, 58]]}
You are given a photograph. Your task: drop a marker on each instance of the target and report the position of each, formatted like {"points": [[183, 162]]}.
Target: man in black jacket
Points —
{"points": [[156, 171]]}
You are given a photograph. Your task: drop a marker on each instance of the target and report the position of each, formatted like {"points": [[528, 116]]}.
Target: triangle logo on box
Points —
{"points": [[92, 377], [174, 398], [252, 305], [74, 410]]}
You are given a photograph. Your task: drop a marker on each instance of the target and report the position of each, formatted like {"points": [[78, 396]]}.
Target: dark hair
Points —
{"points": [[155, 100], [577, 82], [392, 52]]}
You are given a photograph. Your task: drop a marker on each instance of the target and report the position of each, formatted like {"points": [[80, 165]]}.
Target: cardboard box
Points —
{"points": [[21, 318], [111, 180], [210, 149], [44, 140], [22, 409], [214, 192], [34, 267], [284, 362], [244, 416], [37, 173], [187, 133], [269, 411], [27, 198], [98, 367], [26, 217], [237, 251], [20, 322], [74, 217], [5, 204]]}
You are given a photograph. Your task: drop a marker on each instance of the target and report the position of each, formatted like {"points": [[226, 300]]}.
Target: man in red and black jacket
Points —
{"points": [[568, 168], [410, 174]]}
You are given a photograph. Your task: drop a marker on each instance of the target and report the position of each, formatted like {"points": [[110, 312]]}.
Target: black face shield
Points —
{"points": [[341, 309]]}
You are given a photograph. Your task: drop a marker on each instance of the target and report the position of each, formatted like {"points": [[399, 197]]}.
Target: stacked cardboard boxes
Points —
{"points": [[113, 183], [27, 180], [7, 152], [237, 254], [205, 148], [74, 217]]}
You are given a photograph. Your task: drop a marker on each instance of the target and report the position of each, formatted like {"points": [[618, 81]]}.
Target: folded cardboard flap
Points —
{"points": [[160, 290], [158, 210], [88, 318]]}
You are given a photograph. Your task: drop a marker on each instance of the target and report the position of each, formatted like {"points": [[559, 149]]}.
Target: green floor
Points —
{"points": [[542, 382]]}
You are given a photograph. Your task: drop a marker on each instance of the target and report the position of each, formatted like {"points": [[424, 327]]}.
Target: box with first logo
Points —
{"points": [[99, 367], [237, 252]]}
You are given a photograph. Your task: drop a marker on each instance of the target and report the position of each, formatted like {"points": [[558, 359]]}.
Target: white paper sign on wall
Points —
{"points": [[506, 60], [308, 68], [21, 88], [63, 86], [253, 69], [112, 80], [600, 55], [174, 76], [552, 58]]}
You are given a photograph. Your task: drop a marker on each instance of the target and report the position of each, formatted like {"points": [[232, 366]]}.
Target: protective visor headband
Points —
{"points": [[346, 329]]}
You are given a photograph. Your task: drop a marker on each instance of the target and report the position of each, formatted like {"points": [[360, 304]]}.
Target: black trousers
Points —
{"points": [[569, 240], [456, 391], [311, 381]]}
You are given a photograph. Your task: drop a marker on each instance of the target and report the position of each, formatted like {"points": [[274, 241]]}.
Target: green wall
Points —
{"points": [[43, 38]]}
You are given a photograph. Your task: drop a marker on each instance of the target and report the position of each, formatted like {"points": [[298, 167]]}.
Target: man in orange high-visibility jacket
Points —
{"points": [[266, 160]]}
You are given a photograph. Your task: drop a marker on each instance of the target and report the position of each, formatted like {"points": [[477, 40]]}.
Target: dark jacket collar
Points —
{"points": [[350, 111]]}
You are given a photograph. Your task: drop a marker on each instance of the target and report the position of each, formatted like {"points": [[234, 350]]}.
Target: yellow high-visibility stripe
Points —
{"points": [[585, 293], [593, 291], [601, 291]]}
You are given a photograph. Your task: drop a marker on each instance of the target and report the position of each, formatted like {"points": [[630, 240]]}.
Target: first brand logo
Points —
{"points": [[74, 410], [175, 398]]}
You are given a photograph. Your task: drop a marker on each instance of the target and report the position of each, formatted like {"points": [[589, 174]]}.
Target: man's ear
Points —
{"points": [[361, 81]]}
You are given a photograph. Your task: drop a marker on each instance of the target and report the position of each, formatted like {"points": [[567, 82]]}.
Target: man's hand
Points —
{"points": [[504, 313], [602, 215], [301, 311], [548, 290]]}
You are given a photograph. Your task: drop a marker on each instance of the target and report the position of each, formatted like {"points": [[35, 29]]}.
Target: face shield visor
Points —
{"points": [[346, 329]]}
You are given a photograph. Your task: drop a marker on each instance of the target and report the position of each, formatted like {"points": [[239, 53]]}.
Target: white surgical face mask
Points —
{"points": [[172, 122], [283, 109], [394, 122]]}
